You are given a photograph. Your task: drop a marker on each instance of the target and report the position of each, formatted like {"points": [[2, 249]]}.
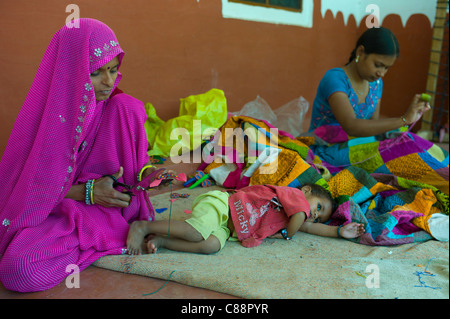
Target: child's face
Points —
{"points": [[321, 208]]}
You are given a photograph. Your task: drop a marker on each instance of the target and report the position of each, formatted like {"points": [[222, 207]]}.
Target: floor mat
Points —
{"points": [[309, 266]]}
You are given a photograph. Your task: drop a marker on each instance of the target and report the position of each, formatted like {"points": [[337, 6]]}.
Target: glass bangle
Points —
{"points": [[139, 177]]}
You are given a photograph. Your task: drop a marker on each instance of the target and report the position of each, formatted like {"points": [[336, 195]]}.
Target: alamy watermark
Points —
{"points": [[373, 20], [251, 145], [72, 20], [373, 279], [73, 279]]}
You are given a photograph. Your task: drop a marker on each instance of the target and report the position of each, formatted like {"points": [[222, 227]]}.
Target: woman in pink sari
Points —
{"points": [[73, 128]]}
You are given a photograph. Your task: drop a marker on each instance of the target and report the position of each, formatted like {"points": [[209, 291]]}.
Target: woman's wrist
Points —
{"points": [[141, 173], [77, 192], [404, 122], [89, 192]]}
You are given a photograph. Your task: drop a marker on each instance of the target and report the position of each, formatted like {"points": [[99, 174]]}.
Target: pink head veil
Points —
{"points": [[40, 159]]}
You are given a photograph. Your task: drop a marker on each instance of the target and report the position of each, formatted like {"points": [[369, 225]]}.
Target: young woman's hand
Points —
{"points": [[416, 109], [105, 194]]}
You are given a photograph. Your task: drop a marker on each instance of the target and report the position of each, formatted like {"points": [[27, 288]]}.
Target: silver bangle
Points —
{"points": [[87, 195]]}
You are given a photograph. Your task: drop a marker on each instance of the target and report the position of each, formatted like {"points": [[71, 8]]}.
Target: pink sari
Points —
{"points": [[62, 137]]}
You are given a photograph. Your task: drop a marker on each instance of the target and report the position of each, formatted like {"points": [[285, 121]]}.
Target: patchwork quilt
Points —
{"points": [[393, 184]]}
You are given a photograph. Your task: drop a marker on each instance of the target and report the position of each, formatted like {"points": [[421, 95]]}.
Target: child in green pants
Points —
{"points": [[250, 214]]}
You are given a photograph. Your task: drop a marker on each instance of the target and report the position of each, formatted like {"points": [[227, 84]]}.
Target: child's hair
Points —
{"points": [[319, 191], [379, 41]]}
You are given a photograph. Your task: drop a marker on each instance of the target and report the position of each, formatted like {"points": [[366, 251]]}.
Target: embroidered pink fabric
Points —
{"points": [[63, 136]]}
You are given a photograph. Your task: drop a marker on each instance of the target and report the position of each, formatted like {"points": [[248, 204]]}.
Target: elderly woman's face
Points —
{"points": [[104, 78]]}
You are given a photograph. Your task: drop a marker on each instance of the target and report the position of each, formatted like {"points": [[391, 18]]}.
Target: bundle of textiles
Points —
{"points": [[398, 188]]}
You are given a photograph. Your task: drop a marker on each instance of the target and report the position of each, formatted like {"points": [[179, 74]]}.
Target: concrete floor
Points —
{"points": [[98, 283]]}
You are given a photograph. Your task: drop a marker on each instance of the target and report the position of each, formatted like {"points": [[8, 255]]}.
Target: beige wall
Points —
{"points": [[175, 48]]}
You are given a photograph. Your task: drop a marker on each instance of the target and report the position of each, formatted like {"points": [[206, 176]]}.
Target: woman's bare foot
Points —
{"points": [[136, 235]]}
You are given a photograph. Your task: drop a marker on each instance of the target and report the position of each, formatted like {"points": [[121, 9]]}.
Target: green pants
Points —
{"points": [[210, 213]]}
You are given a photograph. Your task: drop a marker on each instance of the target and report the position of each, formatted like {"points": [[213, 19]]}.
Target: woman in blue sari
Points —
{"points": [[351, 96], [350, 132]]}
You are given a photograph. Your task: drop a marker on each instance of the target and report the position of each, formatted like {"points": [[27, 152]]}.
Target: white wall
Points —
{"points": [[270, 15], [358, 8], [404, 8]]}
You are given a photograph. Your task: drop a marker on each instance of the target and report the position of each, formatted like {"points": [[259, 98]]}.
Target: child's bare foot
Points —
{"points": [[154, 242], [135, 241]]}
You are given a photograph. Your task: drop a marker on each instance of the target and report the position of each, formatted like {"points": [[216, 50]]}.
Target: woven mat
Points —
{"points": [[309, 266]]}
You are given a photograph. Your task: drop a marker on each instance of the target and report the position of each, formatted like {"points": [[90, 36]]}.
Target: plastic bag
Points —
{"points": [[200, 116], [258, 109], [288, 118]]}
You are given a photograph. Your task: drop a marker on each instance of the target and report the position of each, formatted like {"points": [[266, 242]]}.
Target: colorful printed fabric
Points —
{"points": [[392, 215], [393, 186], [247, 152]]}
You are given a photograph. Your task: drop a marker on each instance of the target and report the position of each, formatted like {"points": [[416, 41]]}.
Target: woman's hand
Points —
{"points": [[105, 194], [416, 109]]}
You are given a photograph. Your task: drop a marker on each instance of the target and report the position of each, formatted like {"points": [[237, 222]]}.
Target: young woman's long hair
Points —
{"points": [[379, 41]]}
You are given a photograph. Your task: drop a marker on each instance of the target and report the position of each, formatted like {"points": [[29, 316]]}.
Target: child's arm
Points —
{"points": [[319, 229], [351, 230], [295, 223]]}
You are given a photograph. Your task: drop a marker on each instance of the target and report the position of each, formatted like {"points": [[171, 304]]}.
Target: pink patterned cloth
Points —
{"points": [[62, 137]]}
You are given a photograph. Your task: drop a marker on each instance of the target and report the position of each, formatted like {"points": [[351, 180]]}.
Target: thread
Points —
{"points": [[168, 234], [168, 279], [419, 274], [170, 210]]}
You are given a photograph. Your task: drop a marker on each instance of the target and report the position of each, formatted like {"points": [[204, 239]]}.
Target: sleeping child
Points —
{"points": [[249, 214]]}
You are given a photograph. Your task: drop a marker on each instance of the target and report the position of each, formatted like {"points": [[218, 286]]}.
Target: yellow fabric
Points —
{"points": [[200, 116]]}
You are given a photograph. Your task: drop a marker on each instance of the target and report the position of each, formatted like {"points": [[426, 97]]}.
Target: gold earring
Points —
{"points": [[357, 59]]}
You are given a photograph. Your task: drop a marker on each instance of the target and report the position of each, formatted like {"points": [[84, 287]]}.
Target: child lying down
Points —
{"points": [[249, 215]]}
